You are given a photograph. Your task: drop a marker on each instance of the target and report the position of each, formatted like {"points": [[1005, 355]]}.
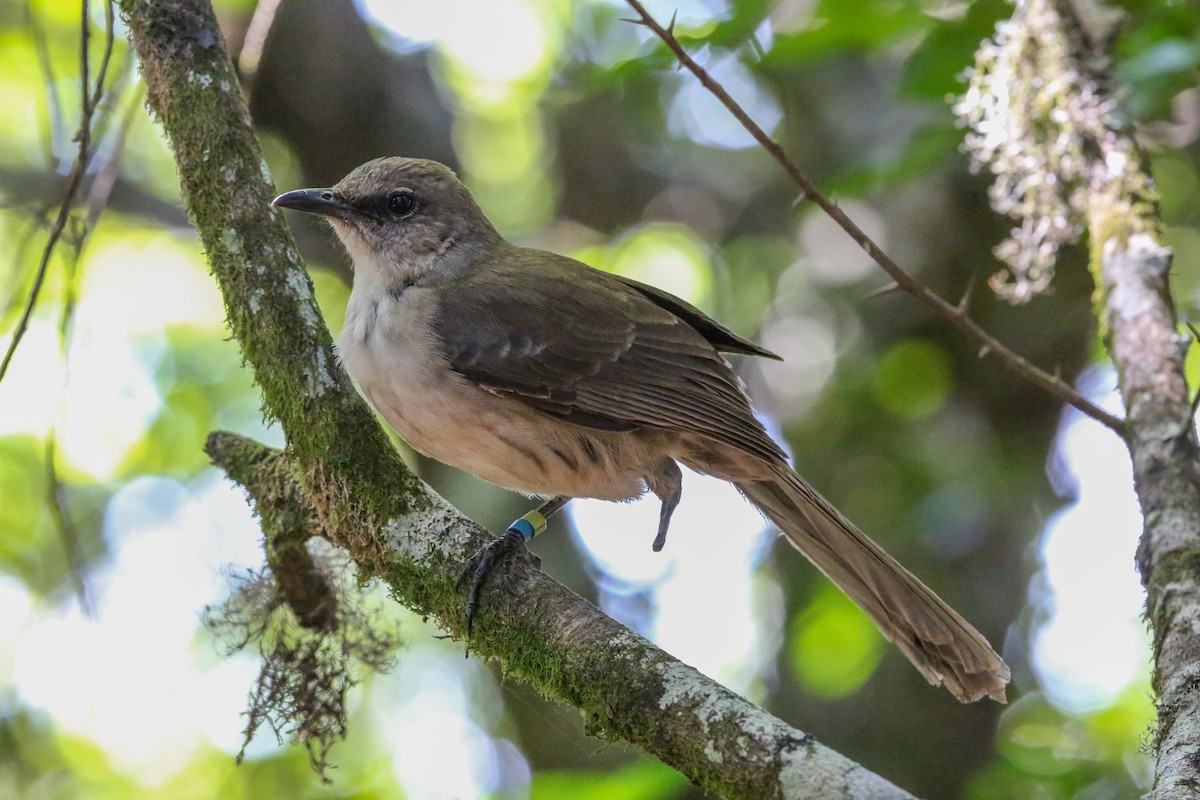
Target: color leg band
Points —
{"points": [[529, 525]]}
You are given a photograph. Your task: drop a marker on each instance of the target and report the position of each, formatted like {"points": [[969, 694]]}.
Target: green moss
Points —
{"points": [[1179, 567]]}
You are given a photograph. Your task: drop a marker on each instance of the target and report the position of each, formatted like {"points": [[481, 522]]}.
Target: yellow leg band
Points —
{"points": [[529, 525]]}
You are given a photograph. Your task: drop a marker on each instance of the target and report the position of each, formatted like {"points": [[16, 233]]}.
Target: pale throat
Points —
{"points": [[380, 270]]}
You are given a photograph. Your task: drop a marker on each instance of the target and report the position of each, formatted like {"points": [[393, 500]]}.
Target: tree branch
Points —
{"points": [[568, 649], [953, 314], [1142, 335], [395, 528], [1041, 89]]}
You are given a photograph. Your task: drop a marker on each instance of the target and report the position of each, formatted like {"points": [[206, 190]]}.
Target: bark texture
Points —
{"points": [[1149, 352], [356, 491], [1137, 315]]}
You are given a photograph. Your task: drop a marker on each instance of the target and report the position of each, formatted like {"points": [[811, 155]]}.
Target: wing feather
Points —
{"points": [[597, 350]]}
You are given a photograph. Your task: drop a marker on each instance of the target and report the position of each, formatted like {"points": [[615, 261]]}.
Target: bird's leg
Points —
{"points": [[667, 484], [501, 551]]}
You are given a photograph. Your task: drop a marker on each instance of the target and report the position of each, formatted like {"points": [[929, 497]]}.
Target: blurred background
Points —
{"points": [[577, 134]]}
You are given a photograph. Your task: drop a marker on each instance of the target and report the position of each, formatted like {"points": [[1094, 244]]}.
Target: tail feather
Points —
{"points": [[934, 637]]}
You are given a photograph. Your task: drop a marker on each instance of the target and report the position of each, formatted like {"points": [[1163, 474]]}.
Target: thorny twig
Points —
{"points": [[955, 315]]}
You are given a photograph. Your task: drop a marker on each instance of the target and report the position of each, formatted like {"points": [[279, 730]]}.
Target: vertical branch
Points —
{"points": [[1148, 353], [1043, 122], [1141, 332]]}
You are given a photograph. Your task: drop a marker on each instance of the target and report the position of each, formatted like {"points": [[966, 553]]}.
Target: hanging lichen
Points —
{"points": [[1034, 112]]}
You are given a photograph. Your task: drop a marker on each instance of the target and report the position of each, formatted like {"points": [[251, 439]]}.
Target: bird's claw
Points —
{"points": [[498, 554]]}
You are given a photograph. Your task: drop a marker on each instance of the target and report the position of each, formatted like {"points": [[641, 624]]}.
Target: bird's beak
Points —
{"points": [[315, 201]]}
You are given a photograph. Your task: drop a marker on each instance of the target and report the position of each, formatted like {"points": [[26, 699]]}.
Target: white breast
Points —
{"points": [[389, 350], [388, 347]]}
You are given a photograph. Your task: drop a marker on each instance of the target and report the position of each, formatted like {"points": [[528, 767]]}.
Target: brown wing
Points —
{"points": [[596, 350]]}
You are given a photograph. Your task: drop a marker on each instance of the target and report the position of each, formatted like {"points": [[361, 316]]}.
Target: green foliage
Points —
{"points": [[835, 648], [642, 781], [203, 387], [1046, 753], [1157, 55], [934, 70], [28, 533], [913, 379], [841, 26]]}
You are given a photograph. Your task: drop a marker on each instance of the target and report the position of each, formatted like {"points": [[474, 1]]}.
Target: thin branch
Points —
{"points": [[56, 230], [75, 231], [93, 102], [89, 102], [950, 313]]}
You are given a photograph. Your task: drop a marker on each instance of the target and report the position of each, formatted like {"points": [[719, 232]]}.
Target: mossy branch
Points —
{"points": [[359, 494], [1141, 332], [314, 628], [566, 648]]}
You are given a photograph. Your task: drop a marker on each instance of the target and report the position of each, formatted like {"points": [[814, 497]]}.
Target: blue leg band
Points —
{"points": [[529, 525]]}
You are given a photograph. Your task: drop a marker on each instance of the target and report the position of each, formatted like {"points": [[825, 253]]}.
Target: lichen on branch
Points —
{"points": [[1035, 109], [306, 671]]}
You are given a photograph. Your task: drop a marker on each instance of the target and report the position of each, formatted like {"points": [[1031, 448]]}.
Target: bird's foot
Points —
{"points": [[497, 557]]}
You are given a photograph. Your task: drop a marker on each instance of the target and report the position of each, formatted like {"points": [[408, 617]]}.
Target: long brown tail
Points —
{"points": [[939, 642]]}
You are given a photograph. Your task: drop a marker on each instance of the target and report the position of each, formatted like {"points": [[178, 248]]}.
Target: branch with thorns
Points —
{"points": [[956, 314]]}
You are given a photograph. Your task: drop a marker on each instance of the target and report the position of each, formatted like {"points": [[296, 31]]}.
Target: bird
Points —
{"points": [[543, 375]]}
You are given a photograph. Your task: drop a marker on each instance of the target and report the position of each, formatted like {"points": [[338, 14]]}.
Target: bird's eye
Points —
{"points": [[402, 204]]}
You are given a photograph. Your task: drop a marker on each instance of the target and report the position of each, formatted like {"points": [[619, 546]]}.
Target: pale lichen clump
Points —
{"points": [[1035, 114], [306, 670]]}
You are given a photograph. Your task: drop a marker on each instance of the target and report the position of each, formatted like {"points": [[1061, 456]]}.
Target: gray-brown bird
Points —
{"points": [[540, 374]]}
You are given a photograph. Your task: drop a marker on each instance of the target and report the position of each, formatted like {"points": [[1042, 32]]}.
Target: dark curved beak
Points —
{"points": [[315, 201]]}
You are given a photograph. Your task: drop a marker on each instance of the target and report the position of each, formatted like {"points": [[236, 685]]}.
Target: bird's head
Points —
{"points": [[400, 214]]}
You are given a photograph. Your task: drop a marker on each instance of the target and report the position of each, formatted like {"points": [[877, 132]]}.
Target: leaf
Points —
{"points": [[932, 71]]}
